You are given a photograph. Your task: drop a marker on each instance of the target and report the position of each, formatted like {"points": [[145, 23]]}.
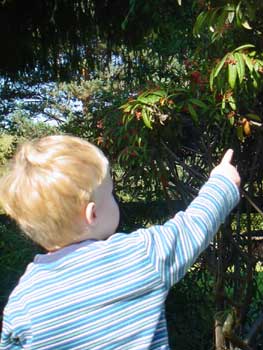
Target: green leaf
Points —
{"points": [[192, 112], [139, 141], [220, 65], [221, 21], [223, 105], [246, 25], [232, 102], [241, 20], [149, 99], [240, 66], [130, 104], [211, 79], [135, 106], [124, 23], [178, 91], [143, 99], [146, 119], [248, 62], [124, 106], [232, 75], [255, 81], [232, 120], [230, 7], [245, 46], [239, 14], [231, 16], [240, 133], [216, 36], [197, 102], [253, 117], [213, 16], [238, 8], [200, 22], [160, 93]]}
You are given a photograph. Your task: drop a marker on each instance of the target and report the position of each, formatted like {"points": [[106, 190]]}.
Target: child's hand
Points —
{"points": [[227, 169]]}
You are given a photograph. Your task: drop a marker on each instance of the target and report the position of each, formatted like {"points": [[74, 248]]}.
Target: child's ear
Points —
{"points": [[90, 213]]}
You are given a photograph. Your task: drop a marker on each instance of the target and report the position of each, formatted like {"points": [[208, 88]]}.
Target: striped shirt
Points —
{"points": [[110, 294]]}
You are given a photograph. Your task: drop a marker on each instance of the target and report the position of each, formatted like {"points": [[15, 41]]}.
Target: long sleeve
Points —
{"points": [[8, 339], [16, 332], [174, 246]]}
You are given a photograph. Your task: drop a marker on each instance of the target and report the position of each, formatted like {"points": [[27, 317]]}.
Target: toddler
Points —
{"points": [[96, 289]]}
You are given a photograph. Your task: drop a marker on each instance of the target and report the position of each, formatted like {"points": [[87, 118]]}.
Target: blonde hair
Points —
{"points": [[48, 185]]}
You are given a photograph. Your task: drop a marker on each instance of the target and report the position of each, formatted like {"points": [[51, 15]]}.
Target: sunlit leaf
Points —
{"points": [[127, 109], [231, 120], [248, 62], [146, 119], [239, 14], [135, 106], [240, 66], [238, 8], [212, 29], [246, 25], [232, 75], [230, 7], [232, 102], [144, 100], [149, 99], [231, 16], [243, 47]]}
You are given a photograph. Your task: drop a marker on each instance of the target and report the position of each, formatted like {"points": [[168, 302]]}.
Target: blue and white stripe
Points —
{"points": [[110, 294]]}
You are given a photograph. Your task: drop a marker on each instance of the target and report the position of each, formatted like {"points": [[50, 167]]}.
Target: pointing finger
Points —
{"points": [[227, 157]]}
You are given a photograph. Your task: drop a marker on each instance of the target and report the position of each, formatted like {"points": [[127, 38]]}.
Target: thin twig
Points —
{"points": [[186, 167], [251, 202]]}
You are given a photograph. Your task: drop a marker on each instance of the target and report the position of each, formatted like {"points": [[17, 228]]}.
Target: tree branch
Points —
{"points": [[244, 193]]}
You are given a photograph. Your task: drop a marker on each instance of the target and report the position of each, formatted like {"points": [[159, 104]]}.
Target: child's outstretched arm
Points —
{"points": [[175, 246]]}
